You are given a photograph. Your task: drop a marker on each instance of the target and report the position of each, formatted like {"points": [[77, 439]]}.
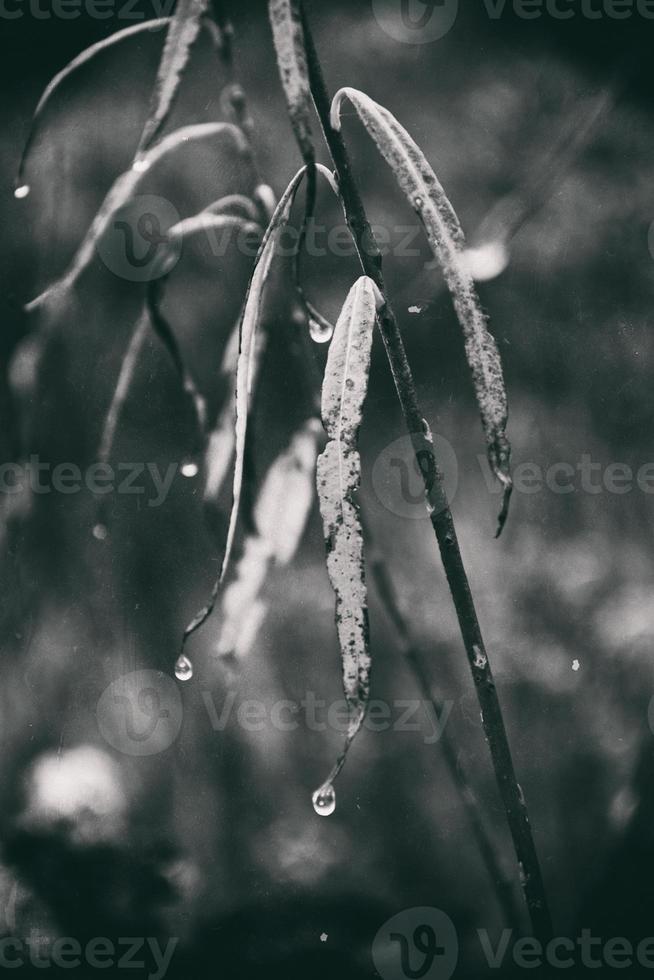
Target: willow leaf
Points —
{"points": [[149, 26], [284, 502], [288, 37], [421, 186], [338, 479], [123, 384], [280, 518], [246, 370], [245, 374], [182, 34], [123, 190]]}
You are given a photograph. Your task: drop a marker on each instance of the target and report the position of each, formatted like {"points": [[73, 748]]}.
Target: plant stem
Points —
{"points": [[440, 513]]}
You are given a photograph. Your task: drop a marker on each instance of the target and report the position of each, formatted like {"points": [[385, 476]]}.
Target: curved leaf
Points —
{"points": [[421, 186], [246, 370], [123, 190], [288, 37], [338, 478], [280, 518], [182, 34], [122, 387], [73, 66]]}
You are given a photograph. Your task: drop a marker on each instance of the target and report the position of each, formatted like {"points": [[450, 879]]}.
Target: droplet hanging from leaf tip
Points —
{"points": [[21, 192], [321, 333], [100, 532], [324, 800], [183, 668]]}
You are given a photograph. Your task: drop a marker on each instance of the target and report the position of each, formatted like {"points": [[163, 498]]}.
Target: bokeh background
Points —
{"points": [[213, 839]]}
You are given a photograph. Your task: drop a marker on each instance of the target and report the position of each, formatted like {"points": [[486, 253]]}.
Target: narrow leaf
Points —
{"points": [[288, 37], [123, 384], [249, 323], [149, 26], [285, 499], [246, 371], [123, 191], [280, 518], [182, 34], [421, 186], [338, 479]]}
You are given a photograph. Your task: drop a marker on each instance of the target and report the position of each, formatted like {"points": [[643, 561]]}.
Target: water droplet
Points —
{"points": [[189, 469], [22, 192], [183, 668], [324, 800], [100, 532], [320, 332], [417, 202], [140, 166]]}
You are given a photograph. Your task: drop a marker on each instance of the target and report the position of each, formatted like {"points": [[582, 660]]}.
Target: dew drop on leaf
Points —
{"points": [[140, 166], [321, 334], [100, 532], [183, 668], [21, 192], [324, 800]]}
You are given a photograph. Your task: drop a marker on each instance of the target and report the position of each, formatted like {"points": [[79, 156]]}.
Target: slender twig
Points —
{"points": [[440, 514]]}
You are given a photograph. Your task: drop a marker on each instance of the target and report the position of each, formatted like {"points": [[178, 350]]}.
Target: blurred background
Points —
{"points": [[541, 132]]}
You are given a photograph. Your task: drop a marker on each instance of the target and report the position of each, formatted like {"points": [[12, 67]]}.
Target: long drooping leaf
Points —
{"points": [[122, 192], [338, 479], [182, 34], [246, 371], [280, 517], [288, 37], [421, 186], [149, 26], [122, 386]]}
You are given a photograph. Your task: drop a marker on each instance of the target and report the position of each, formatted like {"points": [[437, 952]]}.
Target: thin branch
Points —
{"points": [[440, 514]]}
